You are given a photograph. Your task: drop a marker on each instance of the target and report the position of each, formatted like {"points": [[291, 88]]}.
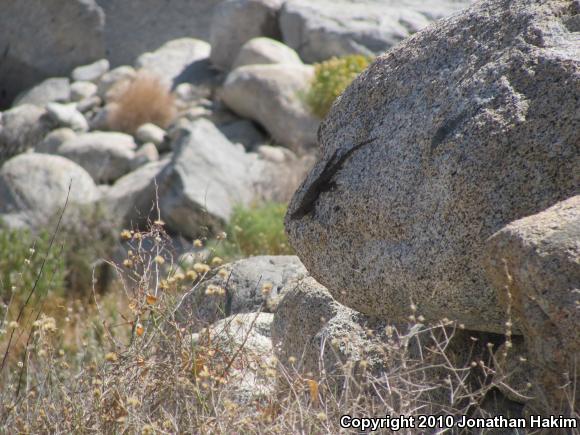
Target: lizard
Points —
{"points": [[323, 182]]}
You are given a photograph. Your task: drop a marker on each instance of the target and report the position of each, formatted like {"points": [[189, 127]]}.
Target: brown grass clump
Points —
{"points": [[145, 99]]}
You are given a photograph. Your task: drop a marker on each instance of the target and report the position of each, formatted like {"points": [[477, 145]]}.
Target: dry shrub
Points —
{"points": [[145, 99], [137, 370]]}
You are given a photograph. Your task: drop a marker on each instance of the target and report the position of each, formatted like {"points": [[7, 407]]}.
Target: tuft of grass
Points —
{"points": [[22, 256], [255, 230], [330, 80], [146, 99]]}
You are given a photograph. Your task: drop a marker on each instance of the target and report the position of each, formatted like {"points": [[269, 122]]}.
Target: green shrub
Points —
{"points": [[331, 78], [257, 230], [21, 261]]}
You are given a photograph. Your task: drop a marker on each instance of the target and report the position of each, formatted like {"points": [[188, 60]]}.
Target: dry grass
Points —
{"points": [[145, 99], [125, 365]]}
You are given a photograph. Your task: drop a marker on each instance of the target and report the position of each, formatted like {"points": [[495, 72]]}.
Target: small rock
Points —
{"points": [[92, 72], [147, 153], [245, 281], [23, 127], [106, 156], [50, 90], [66, 115], [131, 199], [270, 95], [178, 61], [82, 90], [89, 104], [100, 121], [310, 326], [150, 133], [112, 78], [260, 51], [247, 337], [54, 140], [272, 154], [237, 21]]}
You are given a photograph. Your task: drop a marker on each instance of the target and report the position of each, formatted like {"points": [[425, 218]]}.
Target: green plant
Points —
{"points": [[256, 230], [88, 237], [330, 80], [23, 254]]}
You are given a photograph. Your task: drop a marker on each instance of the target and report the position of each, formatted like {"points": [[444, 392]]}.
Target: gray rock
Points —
{"points": [[325, 28], [89, 104], [424, 157], [534, 263], [55, 89], [53, 140], [320, 334], [275, 154], [131, 199], [101, 119], [46, 38], [207, 176], [247, 338], [23, 127], [279, 179], [178, 61], [67, 115], [115, 77], [150, 133], [80, 91], [271, 95], [146, 153], [34, 188], [106, 156], [235, 22], [244, 285], [244, 132], [260, 51], [91, 72], [137, 26]]}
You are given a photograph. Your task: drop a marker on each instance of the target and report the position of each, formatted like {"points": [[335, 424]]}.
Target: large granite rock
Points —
{"points": [[321, 29], [236, 21], [130, 201], [206, 177], [34, 188], [460, 130], [534, 264], [136, 26], [46, 38], [22, 128], [271, 95]]}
